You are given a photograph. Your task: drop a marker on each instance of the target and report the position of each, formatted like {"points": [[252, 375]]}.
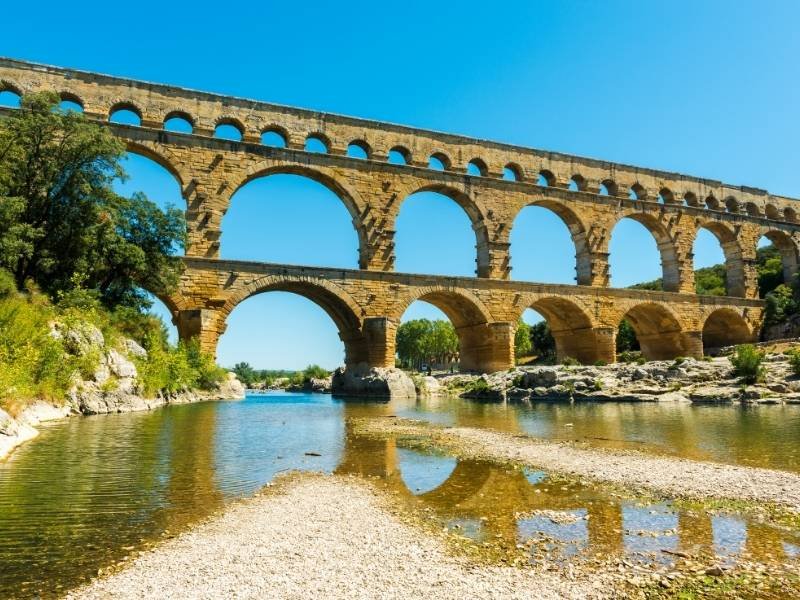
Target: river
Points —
{"points": [[89, 491]]}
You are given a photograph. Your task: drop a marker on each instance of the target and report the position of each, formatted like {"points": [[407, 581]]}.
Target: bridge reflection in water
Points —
{"points": [[506, 506]]}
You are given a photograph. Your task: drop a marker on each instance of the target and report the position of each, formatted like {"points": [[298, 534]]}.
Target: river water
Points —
{"points": [[89, 491]]}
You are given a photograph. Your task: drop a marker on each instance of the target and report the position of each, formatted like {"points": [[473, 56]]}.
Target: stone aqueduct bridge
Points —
{"points": [[590, 196]]}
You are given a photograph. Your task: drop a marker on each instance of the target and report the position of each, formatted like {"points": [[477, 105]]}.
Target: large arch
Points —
{"points": [[577, 232], [670, 272], [731, 249], [571, 327], [348, 198], [479, 349], [474, 212], [658, 330], [343, 310], [725, 327]]}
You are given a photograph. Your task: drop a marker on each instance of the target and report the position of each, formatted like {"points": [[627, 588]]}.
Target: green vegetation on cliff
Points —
{"points": [[74, 253]]}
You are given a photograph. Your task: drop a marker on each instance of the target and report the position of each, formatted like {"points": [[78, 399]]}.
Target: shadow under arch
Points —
{"points": [[343, 310], [349, 199], [474, 212], [478, 351], [725, 327], [734, 263], [571, 328], [670, 273], [659, 332], [577, 231]]}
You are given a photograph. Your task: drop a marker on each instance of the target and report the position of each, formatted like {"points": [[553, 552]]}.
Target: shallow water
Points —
{"points": [[90, 490]]}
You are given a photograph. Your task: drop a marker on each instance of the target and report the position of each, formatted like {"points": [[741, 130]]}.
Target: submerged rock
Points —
{"points": [[363, 380]]}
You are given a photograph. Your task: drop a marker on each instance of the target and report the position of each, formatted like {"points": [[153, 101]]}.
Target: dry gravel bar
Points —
{"points": [[668, 475], [322, 537]]}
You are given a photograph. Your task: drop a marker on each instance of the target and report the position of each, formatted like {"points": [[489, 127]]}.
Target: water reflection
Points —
{"points": [[90, 490]]}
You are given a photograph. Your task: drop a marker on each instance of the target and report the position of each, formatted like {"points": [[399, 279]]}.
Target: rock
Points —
{"points": [[672, 397], [134, 349], [231, 388], [82, 339], [119, 365], [363, 380]]}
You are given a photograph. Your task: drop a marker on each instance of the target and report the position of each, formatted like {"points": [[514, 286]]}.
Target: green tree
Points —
{"points": [[543, 345], [626, 337], [246, 374], [61, 223], [522, 339], [423, 340]]}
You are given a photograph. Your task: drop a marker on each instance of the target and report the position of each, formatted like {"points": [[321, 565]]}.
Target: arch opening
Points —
{"points": [[777, 261], [477, 168], [399, 156], [229, 130], [274, 138], [715, 277], [70, 103], [642, 255], [724, 327], [561, 331], [445, 330], [577, 183], [732, 205], [317, 143], [125, 114], [546, 178], [690, 199], [10, 98], [512, 172], [657, 332], [439, 162], [292, 216], [358, 149], [178, 122], [440, 231], [310, 325], [548, 244], [608, 187], [637, 192]]}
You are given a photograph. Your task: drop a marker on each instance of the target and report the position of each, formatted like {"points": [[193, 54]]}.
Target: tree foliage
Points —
{"points": [[522, 339], [425, 341], [61, 223]]}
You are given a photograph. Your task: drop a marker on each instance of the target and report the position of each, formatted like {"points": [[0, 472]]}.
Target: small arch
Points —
{"points": [[439, 161], [790, 214], [317, 143], [789, 260], [725, 327], [732, 205], [70, 103], [228, 128], [125, 113], [274, 136], [734, 263], [665, 196], [577, 183], [637, 192], [399, 155], [608, 187], [10, 96], [772, 212], [752, 209], [657, 330], [690, 199], [712, 203], [512, 172], [179, 122], [546, 178], [359, 149], [477, 168]]}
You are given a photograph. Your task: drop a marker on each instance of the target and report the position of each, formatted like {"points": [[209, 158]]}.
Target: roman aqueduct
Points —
{"points": [[491, 181]]}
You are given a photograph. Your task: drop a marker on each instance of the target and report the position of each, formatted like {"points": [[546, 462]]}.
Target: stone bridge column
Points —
{"points": [[373, 345], [487, 347], [203, 324], [586, 345], [693, 344]]}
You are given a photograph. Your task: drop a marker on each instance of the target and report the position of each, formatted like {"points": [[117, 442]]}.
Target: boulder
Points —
{"points": [[231, 388], [378, 382], [133, 349]]}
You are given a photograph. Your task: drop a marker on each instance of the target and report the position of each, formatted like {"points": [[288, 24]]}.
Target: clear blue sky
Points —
{"points": [[705, 88]]}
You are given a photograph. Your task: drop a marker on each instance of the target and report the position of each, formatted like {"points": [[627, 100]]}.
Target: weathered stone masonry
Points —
{"points": [[367, 304]]}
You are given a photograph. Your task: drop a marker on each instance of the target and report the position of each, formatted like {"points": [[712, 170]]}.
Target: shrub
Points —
{"points": [[640, 360], [478, 386], [600, 363], [794, 361], [629, 356], [568, 361], [746, 360]]}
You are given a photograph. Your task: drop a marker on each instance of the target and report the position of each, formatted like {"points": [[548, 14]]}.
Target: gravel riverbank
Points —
{"points": [[322, 537], [667, 475]]}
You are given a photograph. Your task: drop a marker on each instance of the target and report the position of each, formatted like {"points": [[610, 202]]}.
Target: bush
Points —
{"points": [[746, 360], [568, 361], [600, 363], [629, 356], [479, 386], [794, 361]]}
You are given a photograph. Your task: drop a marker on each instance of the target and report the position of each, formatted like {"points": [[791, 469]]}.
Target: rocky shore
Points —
{"points": [[679, 380], [113, 387]]}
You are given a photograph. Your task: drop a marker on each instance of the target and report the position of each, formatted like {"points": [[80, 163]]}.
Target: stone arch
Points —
{"points": [[162, 156], [279, 130], [479, 348], [343, 310], [658, 330], [752, 209], [734, 259], [9, 86], [479, 165], [125, 105], [475, 212], [670, 270], [71, 97], [772, 213], [178, 113], [790, 214], [725, 327], [403, 152], [786, 245], [611, 187], [351, 201], [577, 231], [571, 326]]}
